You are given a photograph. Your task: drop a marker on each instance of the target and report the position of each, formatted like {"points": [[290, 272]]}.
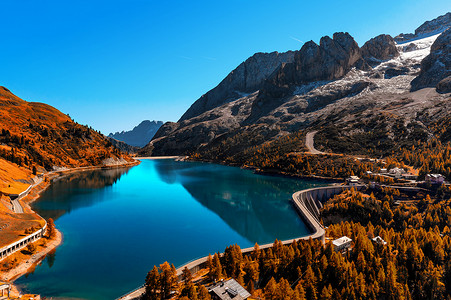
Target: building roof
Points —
{"points": [[435, 175], [379, 240], [4, 284], [230, 289], [341, 241]]}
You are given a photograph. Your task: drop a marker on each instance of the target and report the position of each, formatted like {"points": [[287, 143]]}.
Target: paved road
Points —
{"points": [[18, 209], [135, 295], [309, 143]]}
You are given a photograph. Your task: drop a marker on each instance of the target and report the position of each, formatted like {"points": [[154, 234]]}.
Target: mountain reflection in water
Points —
{"points": [[71, 191], [253, 205]]}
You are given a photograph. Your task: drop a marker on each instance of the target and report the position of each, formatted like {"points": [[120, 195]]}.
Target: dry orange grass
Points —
{"points": [[13, 226], [10, 174]]}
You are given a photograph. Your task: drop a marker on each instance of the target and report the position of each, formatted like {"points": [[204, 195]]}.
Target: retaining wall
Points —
{"points": [[308, 203]]}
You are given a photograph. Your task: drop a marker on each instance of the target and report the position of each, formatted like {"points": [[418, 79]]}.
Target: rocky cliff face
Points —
{"points": [[382, 47], [140, 135], [246, 78], [435, 26], [436, 66], [329, 60], [428, 28], [333, 81]]}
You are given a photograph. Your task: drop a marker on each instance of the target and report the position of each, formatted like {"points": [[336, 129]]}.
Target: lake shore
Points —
{"points": [[157, 157], [26, 265]]}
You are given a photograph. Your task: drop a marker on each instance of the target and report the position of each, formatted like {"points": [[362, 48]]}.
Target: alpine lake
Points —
{"points": [[118, 223]]}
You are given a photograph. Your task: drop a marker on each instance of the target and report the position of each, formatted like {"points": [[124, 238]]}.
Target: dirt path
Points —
{"points": [[309, 143]]}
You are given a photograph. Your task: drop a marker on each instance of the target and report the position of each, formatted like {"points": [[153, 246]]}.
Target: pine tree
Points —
{"points": [[51, 231], [152, 284], [216, 272], [271, 289], [202, 293], [186, 275], [168, 280]]}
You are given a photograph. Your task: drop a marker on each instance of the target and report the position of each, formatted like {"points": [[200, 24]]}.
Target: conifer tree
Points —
{"points": [[202, 293], [152, 285], [51, 231], [168, 280]]}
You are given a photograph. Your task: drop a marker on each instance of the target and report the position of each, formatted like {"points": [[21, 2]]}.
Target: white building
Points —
{"points": [[342, 243], [353, 180], [379, 240], [397, 172], [435, 178]]}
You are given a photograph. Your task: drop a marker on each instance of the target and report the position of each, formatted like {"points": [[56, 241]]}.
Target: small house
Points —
{"points": [[342, 243], [353, 180], [227, 290], [397, 172], [379, 240], [384, 171], [435, 178]]}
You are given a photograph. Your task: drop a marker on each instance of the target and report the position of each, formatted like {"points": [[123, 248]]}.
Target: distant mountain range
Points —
{"points": [[140, 135], [386, 82]]}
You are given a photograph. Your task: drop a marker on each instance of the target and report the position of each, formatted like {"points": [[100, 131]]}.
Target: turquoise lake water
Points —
{"points": [[118, 223]]}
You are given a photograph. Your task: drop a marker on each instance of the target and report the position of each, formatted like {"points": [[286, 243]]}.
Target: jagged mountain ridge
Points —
{"points": [[428, 28], [246, 78], [139, 136], [335, 81]]}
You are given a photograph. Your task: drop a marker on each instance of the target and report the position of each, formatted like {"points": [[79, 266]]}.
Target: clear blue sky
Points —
{"points": [[112, 64]]}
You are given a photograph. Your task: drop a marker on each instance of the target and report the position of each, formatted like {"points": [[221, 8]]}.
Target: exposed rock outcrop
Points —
{"points": [[331, 59], [380, 48], [437, 65], [444, 86], [248, 77], [432, 27]]}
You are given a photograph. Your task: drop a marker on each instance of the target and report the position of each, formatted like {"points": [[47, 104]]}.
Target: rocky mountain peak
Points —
{"points": [[331, 59], [140, 135], [381, 47], [322, 82], [248, 77], [434, 26], [428, 28]]}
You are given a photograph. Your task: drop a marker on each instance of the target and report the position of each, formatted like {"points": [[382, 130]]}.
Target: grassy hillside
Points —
{"points": [[37, 135]]}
